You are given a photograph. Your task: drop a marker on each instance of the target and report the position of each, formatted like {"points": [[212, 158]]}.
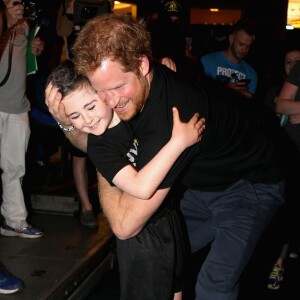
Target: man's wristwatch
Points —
{"points": [[71, 128]]}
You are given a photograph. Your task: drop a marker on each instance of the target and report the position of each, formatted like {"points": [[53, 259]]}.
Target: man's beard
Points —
{"points": [[137, 103]]}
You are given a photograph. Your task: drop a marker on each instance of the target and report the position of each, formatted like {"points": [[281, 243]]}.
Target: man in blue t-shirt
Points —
{"points": [[229, 66]]}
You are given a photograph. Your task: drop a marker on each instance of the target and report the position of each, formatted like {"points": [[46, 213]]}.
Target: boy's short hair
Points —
{"points": [[67, 79]]}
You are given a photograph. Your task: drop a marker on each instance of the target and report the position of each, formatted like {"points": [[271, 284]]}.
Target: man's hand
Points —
{"points": [[70, 7], [294, 119], [53, 99], [168, 62], [55, 106], [240, 87], [37, 46]]}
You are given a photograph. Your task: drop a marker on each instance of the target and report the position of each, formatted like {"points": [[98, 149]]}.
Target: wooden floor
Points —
{"points": [[63, 260]]}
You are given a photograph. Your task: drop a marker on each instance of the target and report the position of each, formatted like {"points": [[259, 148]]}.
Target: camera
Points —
{"points": [[31, 9], [85, 10]]}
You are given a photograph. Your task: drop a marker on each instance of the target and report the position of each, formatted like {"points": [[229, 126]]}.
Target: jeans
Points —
{"points": [[231, 220], [14, 138]]}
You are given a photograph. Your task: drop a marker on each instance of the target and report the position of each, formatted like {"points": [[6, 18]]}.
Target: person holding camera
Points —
{"points": [[14, 121]]}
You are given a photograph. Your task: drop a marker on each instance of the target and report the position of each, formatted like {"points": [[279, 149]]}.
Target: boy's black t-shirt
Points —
{"points": [[110, 152], [233, 145]]}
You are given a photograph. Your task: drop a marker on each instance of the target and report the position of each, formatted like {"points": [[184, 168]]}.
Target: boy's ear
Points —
{"points": [[145, 65]]}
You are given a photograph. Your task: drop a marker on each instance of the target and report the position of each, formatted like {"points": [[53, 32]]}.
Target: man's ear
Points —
{"points": [[145, 65]]}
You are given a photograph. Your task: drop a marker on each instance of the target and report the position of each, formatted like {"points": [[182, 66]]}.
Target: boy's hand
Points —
{"points": [[56, 108], [187, 134]]}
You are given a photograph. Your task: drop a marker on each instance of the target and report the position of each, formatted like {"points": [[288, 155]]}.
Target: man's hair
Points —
{"points": [[248, 25], [112, 36], [67, 79]]}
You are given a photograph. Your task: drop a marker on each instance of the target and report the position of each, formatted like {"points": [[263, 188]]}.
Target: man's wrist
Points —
{"points": [[69, 128]]}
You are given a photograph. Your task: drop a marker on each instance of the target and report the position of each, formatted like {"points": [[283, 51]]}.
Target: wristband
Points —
{"points": [[71, 128]]}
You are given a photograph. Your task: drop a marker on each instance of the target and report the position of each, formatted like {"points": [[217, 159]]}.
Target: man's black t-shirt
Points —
{"points": [[233, 145]]}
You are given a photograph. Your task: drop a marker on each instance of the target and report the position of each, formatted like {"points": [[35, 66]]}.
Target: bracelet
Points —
{"points": [[71, 128]]}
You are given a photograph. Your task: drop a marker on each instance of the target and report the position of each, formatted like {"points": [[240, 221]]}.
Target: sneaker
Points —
{"points": [[8, 283], [293, 254], [275, 278], [25, 232], [88, 219]]}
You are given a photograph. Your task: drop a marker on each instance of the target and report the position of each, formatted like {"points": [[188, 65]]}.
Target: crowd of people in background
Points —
{"points": [[15, 127], [225, 73]]}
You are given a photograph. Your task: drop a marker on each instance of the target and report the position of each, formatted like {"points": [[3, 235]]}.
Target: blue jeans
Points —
{"points": [[231, 220]]}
